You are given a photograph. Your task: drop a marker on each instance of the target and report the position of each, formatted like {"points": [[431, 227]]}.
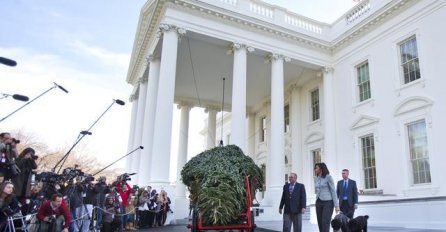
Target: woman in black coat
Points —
{"points": [[26, 163], [8, 203]]}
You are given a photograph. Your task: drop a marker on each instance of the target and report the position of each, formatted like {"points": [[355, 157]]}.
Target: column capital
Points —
{"points": [[237, 46], [181, 105], [327, 69], [133, 97], [169, 27], [152, 57], [274, 56], [143, 79], [293, 87], [209, 108]]}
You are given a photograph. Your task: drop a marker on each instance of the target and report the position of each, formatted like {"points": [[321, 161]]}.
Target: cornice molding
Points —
{"points": [[151, 17], [369, 23]]}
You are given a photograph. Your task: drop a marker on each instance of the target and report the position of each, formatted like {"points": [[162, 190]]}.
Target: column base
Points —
{"points": [[272, 197], [181, 208]]}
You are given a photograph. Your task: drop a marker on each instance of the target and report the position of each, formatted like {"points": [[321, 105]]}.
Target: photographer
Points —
{"points": [[26, 162], [101, 188], [111, 222], [89, 198], [8, 203], [124, 191], [54, 215], [8, 154], [75, 192]]}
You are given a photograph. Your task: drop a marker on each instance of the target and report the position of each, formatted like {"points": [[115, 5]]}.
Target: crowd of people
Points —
{"points": [[73, 201]]}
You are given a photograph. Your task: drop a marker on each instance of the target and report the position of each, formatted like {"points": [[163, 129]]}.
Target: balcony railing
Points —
{"points": [[356, 13]]}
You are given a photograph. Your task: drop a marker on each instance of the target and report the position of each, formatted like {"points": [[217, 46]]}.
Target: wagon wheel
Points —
{"points": [[195, 219]]}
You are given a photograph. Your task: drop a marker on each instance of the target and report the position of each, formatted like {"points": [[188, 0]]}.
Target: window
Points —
{"points": [[409, 60], [316, 155], [368, 161], [262, 129], [419, 156], [287, 118], [315, 114], [363, 81]]}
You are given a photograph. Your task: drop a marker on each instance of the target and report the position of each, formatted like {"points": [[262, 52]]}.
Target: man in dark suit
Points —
{"points": [[347, 194], [294, 199]]}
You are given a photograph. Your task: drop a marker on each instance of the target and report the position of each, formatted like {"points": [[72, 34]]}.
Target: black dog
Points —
{"points": [[340, 223], [358, 224]]}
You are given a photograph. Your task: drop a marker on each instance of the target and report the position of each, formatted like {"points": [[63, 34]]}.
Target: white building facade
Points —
{"points": [[363, 93]]}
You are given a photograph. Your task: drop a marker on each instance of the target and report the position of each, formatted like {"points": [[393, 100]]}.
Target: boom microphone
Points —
{"points": [[7, 61], [85, 133], [20, 97], [120, 102], [141, 147], [60, 87]]}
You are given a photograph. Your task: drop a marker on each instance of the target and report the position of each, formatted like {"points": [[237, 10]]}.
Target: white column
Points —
{"points": [[277, 152], [181, 201], [212, 127], [251, 134], [149, 122], [329, 120], [296, 137], [159, 174], [139, 126], [129, 159], [238, 120]]}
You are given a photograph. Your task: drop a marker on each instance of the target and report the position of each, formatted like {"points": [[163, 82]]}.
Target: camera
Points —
{"points": [[71, 173], [135, 188], [48, 177], [52, 218], [88, 178], [125, 177]]}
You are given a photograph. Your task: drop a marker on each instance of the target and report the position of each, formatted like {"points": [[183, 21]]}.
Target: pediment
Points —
{"points": [[412, 104], [314, 137], [364, 120]]}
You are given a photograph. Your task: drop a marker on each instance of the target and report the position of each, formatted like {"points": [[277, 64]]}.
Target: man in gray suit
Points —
{"points": [[348, 194], [294, 199]]}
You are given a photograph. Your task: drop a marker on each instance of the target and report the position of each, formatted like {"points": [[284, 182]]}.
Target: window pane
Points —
{"points": [[368, 161], [409, 60], [315, 105], [363, 82], [287, 118], [419, 158]]}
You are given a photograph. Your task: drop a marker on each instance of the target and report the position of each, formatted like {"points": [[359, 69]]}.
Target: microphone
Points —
{"points": [[119, 102], [85, 133], [141, 147], [20, 97], [7, 61], [60, 87]]}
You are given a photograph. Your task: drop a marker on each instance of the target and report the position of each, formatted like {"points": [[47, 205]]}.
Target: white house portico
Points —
{"points": [[363, 93]]}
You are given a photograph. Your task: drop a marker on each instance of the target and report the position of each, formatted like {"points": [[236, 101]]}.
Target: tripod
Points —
{"points": [[10, 227]]}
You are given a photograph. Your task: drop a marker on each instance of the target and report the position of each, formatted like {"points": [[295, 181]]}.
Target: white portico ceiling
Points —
{"points": [[204, 61]]}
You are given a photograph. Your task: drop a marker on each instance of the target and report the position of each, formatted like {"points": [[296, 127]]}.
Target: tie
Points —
{"points": [[345, 191], [291, 187]]}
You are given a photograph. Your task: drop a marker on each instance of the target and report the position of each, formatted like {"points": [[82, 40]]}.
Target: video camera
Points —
{"points": [[48, 177], [71, 173], [125, 177]]}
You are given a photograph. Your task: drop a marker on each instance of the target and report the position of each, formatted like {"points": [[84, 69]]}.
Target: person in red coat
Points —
{"points": [[54, 213]]}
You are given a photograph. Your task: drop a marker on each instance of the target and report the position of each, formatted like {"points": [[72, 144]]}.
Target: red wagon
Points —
{"points": [[246, 225]]}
